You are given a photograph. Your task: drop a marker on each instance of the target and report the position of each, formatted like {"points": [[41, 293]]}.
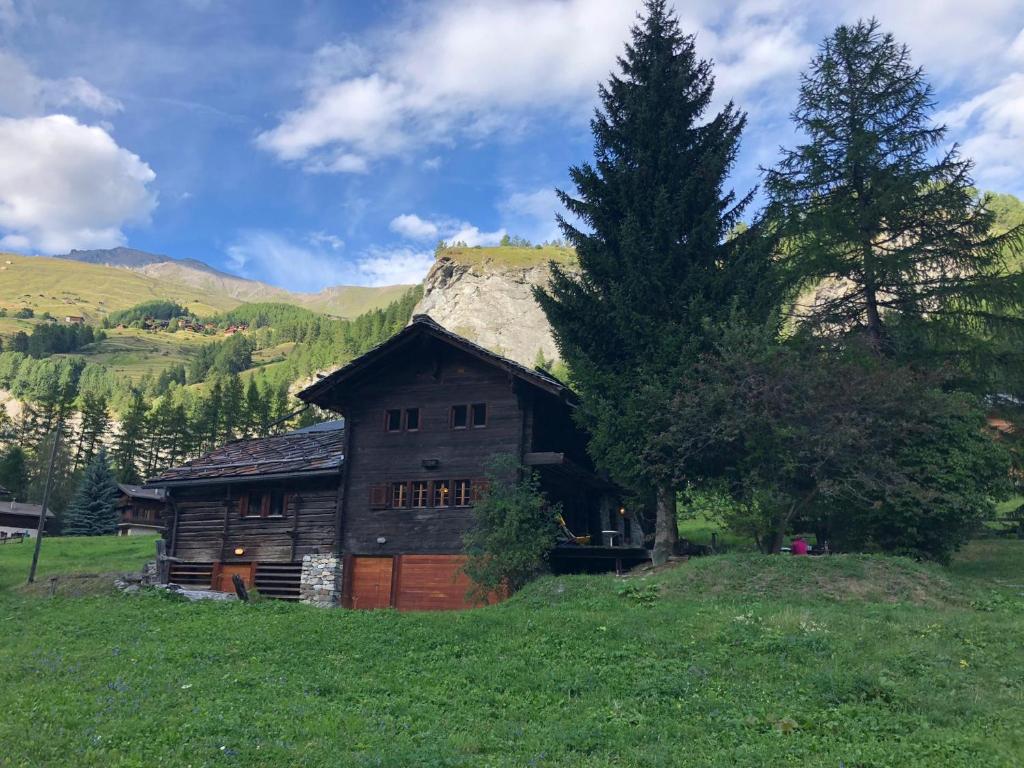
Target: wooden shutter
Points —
{"points": [[379, 496], [480, 487], [265, 504], [243, 505]]}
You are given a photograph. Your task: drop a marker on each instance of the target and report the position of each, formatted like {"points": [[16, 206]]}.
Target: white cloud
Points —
{"points": [[66, 185], [412, 227], [299, 264], [394, 266], [470, 69], [22, 93], [992, 127]]}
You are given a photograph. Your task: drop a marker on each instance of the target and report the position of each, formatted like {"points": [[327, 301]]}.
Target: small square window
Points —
{"points": [[412, 419], [460, 416], [420, 489], [393, 420], [479, 414], [442, 493], [399, 495]]}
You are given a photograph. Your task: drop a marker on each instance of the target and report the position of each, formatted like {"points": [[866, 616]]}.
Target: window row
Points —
{"points": [[472, 416], [421, 494], [268, 503]]}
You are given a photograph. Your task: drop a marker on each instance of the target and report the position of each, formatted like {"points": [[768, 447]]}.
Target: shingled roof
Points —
{"points": [[302, 453], [423, 324]]}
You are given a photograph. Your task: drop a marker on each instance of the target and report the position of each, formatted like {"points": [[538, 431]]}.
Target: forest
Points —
{"points": [[178, 414]]}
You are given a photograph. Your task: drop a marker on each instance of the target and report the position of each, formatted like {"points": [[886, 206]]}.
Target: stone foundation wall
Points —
{"points": [[321, 580]]}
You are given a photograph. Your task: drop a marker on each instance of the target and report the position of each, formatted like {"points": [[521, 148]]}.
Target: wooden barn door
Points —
{"points": [[370, 583], [432, 583]]}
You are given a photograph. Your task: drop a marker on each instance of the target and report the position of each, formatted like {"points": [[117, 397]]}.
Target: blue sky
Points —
{"points": [[310, 144]]}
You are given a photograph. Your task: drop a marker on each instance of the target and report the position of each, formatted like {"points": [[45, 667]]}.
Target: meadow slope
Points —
{"points": [[725, 661]]}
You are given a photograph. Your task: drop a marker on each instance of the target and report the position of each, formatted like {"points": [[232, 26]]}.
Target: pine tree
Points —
{"points": [[253, 406], [873, 200], [655, 260], [93, 511], [128, 446]]}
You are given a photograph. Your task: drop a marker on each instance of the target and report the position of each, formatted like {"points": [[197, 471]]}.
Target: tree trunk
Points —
{"points": [[666, 529]]}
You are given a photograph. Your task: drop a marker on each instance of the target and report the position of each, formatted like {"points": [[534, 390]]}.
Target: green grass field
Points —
{"points": [[739, 660]]}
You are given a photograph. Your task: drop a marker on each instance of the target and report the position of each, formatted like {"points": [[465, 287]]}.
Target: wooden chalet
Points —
{"points": [[140, 510], [372, 514], [21, 521]]}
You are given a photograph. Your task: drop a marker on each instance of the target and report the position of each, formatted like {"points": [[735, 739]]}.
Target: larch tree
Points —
{"points": [[874, 205], [655, 257]]}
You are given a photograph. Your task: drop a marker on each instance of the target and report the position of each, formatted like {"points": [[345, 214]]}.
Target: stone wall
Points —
{"points": [[321, 580]]}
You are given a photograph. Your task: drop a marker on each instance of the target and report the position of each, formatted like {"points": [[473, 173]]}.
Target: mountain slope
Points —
{"points": [[486, 295], [69, 287]]}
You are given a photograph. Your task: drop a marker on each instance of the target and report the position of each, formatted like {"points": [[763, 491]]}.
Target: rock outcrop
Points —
{"points": [[490, 301]]}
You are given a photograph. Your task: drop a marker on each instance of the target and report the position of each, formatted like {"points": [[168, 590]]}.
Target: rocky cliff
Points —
{"points": [[486, 295]]}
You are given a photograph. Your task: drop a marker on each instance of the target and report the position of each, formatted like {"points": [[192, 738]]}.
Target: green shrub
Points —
{"points": [[514, 531]]}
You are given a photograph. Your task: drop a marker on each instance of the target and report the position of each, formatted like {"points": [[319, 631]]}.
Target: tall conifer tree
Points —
{"points": [[874, 202], [93, 511], [656, 260]]}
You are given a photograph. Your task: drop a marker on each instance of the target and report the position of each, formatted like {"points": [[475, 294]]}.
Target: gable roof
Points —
{"points": [[23, 510], [303, 453], [138, 492], [425, 325]]}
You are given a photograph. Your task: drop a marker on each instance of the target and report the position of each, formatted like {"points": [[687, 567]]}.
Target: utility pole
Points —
{"points": [[46, 499]]}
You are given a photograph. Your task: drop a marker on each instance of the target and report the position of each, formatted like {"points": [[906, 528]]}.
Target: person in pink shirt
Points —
{"points": [[798, 547]]}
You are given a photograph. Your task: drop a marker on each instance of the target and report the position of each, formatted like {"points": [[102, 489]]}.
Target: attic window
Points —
{"points": [[479, 414], [460, 416], [393, 420], [412, 419]]}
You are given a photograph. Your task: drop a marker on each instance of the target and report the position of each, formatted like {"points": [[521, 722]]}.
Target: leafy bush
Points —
{"points": [[514, 531]]}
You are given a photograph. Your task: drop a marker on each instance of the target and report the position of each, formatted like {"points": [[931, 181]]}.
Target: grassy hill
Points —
{"points": [[66, 287], [509, 256], [62, 287], [722, 661]]}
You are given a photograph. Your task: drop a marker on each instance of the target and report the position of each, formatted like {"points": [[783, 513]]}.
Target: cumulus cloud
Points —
{"points": [[300, 263], [22, 93], [469, 69], [413, 227], [67, 185]]}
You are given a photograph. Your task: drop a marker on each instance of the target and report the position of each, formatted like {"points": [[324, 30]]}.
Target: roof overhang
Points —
{"points": [[238, 479]]}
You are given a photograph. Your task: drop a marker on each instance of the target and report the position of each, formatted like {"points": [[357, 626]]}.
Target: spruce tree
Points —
{"points": [[872, 202], [232, 412], [93, 510], [655, 257]]}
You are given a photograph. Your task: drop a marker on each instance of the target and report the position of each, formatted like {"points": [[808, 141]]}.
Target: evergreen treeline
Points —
{"points": [[166, 419], [158, 309]]}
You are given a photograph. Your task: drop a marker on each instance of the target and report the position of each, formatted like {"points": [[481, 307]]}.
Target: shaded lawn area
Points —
{"points": [[743, 660], [70, 554]]}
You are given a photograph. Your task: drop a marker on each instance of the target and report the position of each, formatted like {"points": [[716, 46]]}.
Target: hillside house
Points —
{"points": [[74, 320], [140, 510], [370, 512], [19, 520]]}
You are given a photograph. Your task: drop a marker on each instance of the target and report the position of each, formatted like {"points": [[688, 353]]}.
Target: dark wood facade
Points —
{"points": [[392, 493]]}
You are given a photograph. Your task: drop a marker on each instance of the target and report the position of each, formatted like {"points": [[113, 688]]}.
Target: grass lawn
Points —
{"points": [[738, 660], [509, 256]]}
